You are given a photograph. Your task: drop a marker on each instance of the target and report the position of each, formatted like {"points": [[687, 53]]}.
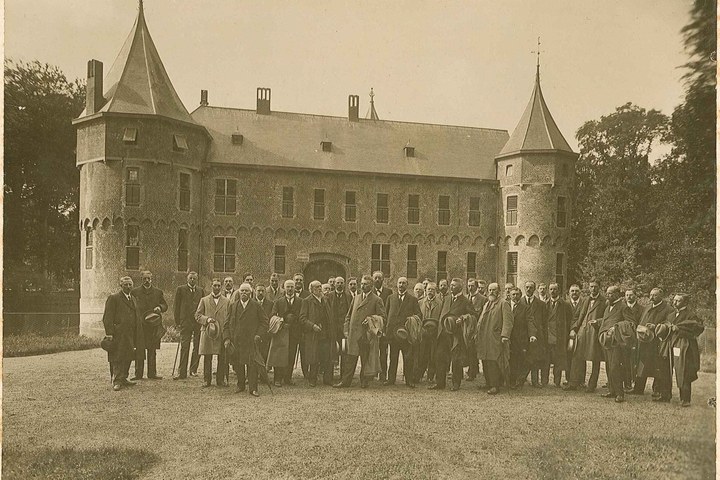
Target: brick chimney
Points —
{"points": [[94, 100], [263, 101], [203, 98], [354, 108]]}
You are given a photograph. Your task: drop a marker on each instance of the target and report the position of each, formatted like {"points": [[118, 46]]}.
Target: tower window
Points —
{"points": [[319, 204], [279, 259], [130, 136], [237, 139], [561, 216], [508, 170], [409, 152], [132, 187], [350, 206], [560, 271], [474, 215], [288, 202], [512, 268], [179, 143], [225, 196], [380, 258], [441, 266], [412, 261], [224, 254], [444, 210], [183, 250], [89, 243], [471, 264], [413, 209], [511, 210], [382, 214], [184, 192], [132, 247], [326, 146]]}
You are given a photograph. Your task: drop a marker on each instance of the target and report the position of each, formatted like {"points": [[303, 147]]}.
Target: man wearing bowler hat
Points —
{"points": [[151, 304]]}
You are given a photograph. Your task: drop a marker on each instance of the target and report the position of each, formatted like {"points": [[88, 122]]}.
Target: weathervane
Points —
{"points": [[538, 55]]}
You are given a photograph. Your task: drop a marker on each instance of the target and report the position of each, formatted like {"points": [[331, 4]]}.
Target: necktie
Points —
{"points": [[402, 297]]}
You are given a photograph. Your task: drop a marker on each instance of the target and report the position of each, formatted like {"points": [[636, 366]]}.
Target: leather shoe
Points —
{"points": [[193, 374], [607, 395], [340, 385], [117, 387], [128, 383], [435, 387], [661, 399], [685, 403], [620, 399], [656, 395], [180, 377], [255, 393], [493, 391], [155, 377], [312, 384], [289, 383], [388, 382], [136, 378], [277, 384], [222, 384], [569, 388], [239, 389], [363, 385], [589, 390], [410, 385], [454, 388]]}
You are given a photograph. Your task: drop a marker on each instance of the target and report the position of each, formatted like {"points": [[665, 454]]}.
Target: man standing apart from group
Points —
{"points": [[120, 320], [150, 300], [187, 298]]}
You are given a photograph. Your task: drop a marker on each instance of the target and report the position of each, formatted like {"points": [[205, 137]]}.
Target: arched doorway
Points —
{"points": [[322, 269]]}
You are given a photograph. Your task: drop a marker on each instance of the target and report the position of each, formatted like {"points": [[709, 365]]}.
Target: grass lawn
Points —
{"points": [[32, 344], [59, 409]]}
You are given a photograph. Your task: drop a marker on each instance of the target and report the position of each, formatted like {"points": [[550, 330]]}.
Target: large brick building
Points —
{"points": [[224, 191]]}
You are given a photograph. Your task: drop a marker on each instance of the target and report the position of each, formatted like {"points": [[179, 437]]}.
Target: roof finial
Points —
{"points": [[141, 5], [372, 113], [537, 73]]}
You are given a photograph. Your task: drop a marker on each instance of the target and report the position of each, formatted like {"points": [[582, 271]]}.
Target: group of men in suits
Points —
{"points": [[440, 329]]}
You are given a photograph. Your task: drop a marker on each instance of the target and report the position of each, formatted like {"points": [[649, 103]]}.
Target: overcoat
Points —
{"points": [[120, 319], [241, 328], [317, 312], [185, 306], [635, 312], [459, 308], [588, 347], [519, 337], [280, 343], [559, 320], [537, 327], [496, 321], [147, 299], [478, 302], [339, 306], [648, 352], [398, 312], [207, 309], [683, 345], [359, 310]]}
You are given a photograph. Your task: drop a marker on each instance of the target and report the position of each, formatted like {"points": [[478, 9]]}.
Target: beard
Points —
{"points": [[492, 297]]}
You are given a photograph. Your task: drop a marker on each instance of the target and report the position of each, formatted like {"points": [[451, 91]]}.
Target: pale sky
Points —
{"points": [[447, 62]]}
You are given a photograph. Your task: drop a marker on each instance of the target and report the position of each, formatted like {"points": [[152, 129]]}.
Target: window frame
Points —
{"points": [[380, 262], [512, 259], [443, 215], [224, 255], [130, 248], [89, 248], [413, 212], [474, 214], [471, 273], [511, 215], [288, 205], [441, 274], [225, 196], [411, 268], [184, 192], [382, 210], [133, 187], [319, 208], [350, 207], [279, 258]]}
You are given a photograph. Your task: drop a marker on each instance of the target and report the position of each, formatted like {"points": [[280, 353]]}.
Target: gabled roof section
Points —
{"points": [[536, 130], [137, 81]]}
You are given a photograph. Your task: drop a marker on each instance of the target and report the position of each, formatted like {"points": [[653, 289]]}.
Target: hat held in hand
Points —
{"points": [[152, 319]]}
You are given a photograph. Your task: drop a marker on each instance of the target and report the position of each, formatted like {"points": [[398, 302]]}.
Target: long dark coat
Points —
{"points": [[398, 312], [147, 299], [588, 347], [537, 327], [339, 306], [496, 321], [120, 319], [185, 305], [360, 309], [686, 364], [519, 337], [317, 312], [242, 327], [559, 318], [648, 352], [461, 306]]}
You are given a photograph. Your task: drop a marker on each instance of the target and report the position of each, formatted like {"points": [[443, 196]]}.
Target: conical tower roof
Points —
{"points": [[137, 81], [536, 131]]}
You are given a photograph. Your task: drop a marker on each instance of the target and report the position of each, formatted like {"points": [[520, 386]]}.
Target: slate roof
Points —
{"points": [[293, 140], [536, 130], [137, 81]]}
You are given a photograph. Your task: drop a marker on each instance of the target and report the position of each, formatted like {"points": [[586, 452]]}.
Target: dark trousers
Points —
{"points": [[518, 366], [395, 348], [324, 366], [207, 369], [640, 383], [686, 392], [188, 333], [663, 378], [119, 371], [350, 364], [493, 376], [252, 376], [384, 344], [615, 367], [151, 355], [629, 370], [425, 359], [474, 363], [577, 374], [557, 370], [444, 361], [294, 345]]}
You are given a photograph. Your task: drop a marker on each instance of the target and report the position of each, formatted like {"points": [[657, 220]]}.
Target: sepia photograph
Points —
{"points": [[402, 239]]}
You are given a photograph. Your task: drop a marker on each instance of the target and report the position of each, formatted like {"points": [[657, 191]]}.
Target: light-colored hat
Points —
{"points": [[572, 345]]}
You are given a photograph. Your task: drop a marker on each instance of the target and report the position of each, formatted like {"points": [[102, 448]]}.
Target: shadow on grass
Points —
{"points": [[626, 457], [63, 463]]}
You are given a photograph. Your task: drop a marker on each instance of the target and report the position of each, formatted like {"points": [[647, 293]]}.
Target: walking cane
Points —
{"points": [[176, 358]]}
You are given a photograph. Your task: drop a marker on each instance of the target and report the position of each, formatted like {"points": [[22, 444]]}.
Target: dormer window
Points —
{"points": [[130, 136], [508, 171], [237, 139], [409, 152], [179, 143], [326, 146]]}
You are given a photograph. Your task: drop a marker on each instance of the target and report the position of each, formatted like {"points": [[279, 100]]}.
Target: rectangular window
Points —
{"points": [[380, 258], [224, 254], [350, 206], [132, 247], [185, 192], [182, 259], [130, 136], [560, 271], [413, 209], [441, 266], [511, 210], [471, 264], [89, 241], [443, 210], [512, 267], [508, 171], [179, 142], [132, 187], [412, 261], [561, 212], [474, 215], [319, 204], [382, 214], [280, 259], [225, 196], [288, 202]]}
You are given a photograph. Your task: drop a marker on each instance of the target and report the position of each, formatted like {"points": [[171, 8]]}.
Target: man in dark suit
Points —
{"points": [[616, 313], [274, 291], [120, 320], [450, 347], [559, 317], [267, 306], [288, 307], [519, 338], [187, 298], [149, 300], [648, 358], [320, 344], [352, 286], [302, 293], [246, 321], [635, 311], [585, 331], [478, 302], [340, 301], [228, 288], [575, 302], [364, 304], [399, 307], [494, 328], [537, 321], [430, 307], [383, 293]]}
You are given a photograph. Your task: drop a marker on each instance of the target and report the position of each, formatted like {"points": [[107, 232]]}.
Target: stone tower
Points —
{"points": [[139, 153], [535, 170]]}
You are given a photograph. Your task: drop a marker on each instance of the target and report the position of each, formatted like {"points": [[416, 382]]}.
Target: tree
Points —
{"points": [[613, 232], [41, 180]]}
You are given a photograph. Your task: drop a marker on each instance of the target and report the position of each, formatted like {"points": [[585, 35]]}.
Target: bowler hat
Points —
{"points": [[275, 324], [448, 324], [107, 344], [430, 327], [662, 331], [401, 333], [152, 319], [645, 334], [212, 330], [606, 338]]}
